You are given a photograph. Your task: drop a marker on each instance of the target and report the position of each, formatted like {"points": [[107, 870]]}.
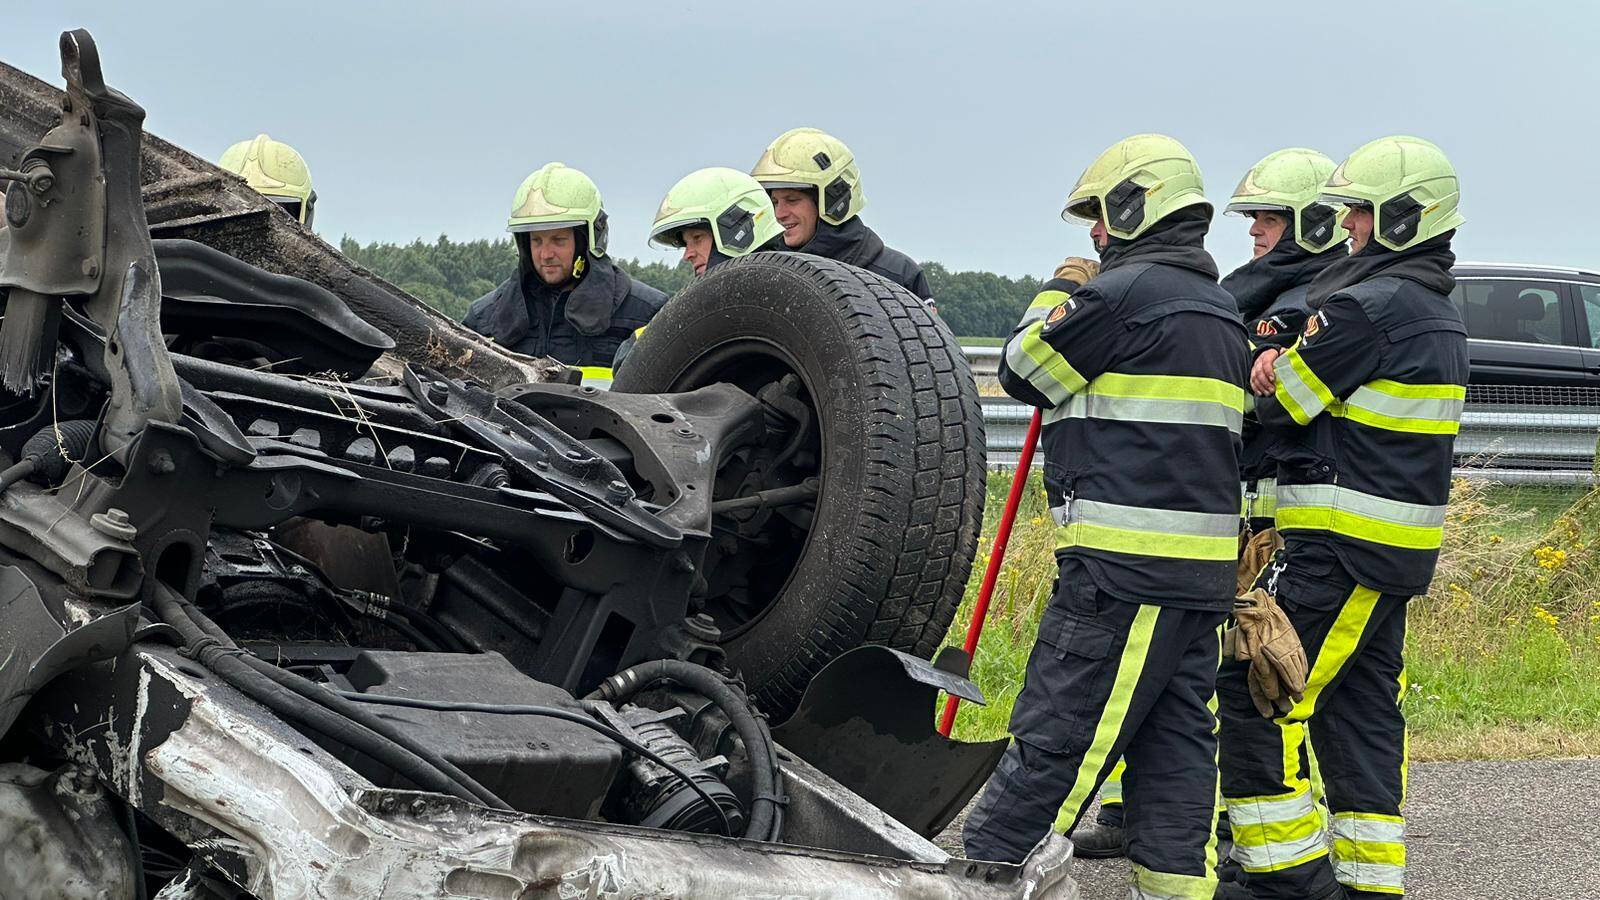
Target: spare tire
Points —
{"points": [[882, 412]]}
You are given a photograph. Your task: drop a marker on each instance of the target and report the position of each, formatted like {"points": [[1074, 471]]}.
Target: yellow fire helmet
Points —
{"points": [[276, 171], [809, 159], [1136, 182], [1408, 184], [726, 202], [1289, 182], [556, 196]]}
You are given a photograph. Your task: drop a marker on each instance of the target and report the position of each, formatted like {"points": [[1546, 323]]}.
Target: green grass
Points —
{"points": [[981, 341], [1503, 654]]}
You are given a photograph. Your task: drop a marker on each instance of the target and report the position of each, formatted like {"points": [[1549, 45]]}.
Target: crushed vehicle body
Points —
{"points": [[306, 592]]}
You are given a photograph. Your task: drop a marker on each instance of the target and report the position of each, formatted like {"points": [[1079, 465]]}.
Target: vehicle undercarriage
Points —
{"points": [[304, 592]]}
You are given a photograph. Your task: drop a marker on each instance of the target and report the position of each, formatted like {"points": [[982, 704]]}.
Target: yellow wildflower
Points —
{"points": [[1550, 557]]}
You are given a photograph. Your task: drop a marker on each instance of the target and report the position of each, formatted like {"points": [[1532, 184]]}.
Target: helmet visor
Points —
{"points": [[545, 226], [1245, 209], [1345, 200], [1085, 211], [787, 185], [670, 235]]}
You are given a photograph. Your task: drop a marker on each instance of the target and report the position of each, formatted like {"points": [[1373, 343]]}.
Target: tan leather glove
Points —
{"points": [[1254, 556], [1264, 638], [1077, 269]]}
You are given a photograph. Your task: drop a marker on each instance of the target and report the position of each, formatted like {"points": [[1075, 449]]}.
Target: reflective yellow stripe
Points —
{"points": [[1369, 851], [1175, 534], [1129, 667], [1337, 648], [1274, 833], [1368, 517], [1029, 357], [1263, 504], [1042, 303], [1111, 791], [1170, 387], [1152, 885], [1299, 390], [1412, 408], [596, 376], [1169, 399]]}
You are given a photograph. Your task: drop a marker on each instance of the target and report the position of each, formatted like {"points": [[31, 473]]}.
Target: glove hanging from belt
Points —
{"points": [[1263, 637], [1254, 553]]}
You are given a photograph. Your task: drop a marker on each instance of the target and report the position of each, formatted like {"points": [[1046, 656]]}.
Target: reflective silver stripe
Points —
{"points": [[1369, 875], [1262, 812], [1333, 496], [1039, 374], [1297, 389], [1275, 856], [1034, 314], [1159, 521], [1406, 407], [1090, 405], [1381, 831]]}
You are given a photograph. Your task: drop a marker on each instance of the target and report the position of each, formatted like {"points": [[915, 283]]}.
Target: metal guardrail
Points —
{"points": [[1551, 442]]}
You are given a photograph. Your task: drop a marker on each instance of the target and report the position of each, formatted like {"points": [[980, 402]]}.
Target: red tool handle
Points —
{"points": [[980, 610]]}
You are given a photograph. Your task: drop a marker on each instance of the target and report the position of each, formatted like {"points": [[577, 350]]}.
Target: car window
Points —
{"points": [[1590, 293], [1528, 312]]}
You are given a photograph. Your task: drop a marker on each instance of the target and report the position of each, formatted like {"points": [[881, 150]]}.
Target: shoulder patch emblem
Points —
{"points": [[1266, 327], [1059, 313], [1315, 324]]}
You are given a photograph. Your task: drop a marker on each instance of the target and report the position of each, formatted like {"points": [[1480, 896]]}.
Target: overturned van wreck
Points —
{"points": [[304, 592]]}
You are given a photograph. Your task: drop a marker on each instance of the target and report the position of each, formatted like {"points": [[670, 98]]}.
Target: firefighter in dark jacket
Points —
{"points": [[1295, 236], [1140, 371], [1367, 404], [816, 190], [567, 300]]}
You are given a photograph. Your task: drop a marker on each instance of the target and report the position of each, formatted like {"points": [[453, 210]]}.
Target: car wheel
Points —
{"points": [[870, 402]]}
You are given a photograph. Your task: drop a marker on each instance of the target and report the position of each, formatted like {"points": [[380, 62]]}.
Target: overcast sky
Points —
{"points": [[970, 120]]}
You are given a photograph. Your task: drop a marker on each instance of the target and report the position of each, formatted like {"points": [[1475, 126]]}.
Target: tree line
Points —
{"points": [[448, 275]]}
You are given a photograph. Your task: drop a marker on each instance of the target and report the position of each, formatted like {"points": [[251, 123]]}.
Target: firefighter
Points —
{"points": [[1140, 370], [567, 300], [1366, 404], [276, 171], [1294, 236], [816, 191], [715, 215]]}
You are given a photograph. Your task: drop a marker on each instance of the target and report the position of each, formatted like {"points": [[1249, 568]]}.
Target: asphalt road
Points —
{"points": [[1476, 831]]}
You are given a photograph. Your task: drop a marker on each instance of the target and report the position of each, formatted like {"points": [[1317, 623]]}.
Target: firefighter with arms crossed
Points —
{"points": [[1367, 404]]}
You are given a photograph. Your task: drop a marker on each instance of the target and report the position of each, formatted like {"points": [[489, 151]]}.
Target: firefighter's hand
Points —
{"points": [[1261, 378], [1077, 270]]}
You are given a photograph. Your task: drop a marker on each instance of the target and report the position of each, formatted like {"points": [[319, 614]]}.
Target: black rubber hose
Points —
{"points": [[288, 694], [551, 712], [17, 471], [767, 777]]}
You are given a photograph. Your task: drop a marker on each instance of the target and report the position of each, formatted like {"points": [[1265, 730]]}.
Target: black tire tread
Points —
{"points": [[902, 574]]}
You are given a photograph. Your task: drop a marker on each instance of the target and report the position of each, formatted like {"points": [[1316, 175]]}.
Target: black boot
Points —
{"points": [[1099, 841]]}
